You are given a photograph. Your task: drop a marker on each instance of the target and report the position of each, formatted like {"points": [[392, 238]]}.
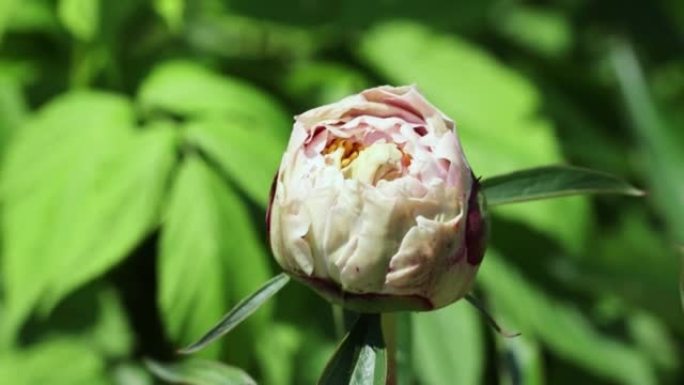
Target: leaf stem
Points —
{"points": [[389, 332]]}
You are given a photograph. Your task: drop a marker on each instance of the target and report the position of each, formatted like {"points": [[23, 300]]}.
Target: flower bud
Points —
{"points": [[375, 206]]}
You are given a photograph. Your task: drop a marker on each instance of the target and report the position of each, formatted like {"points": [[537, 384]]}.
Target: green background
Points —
{"points": [[139, 140]]}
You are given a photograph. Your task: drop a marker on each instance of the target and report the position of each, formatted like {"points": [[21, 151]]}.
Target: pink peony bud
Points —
{"points": [[375, 206]]}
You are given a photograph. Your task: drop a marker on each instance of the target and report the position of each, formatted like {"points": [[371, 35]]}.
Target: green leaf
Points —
{"points": [[496, 110], [552, 182], [13, 108], [448, 345], [315, 83], [681, 275], [31, 16], [55, 362], [660, 142], [210, 259], [543, 31], [7, 10], [84, 203], [521, 361], [361, 358], [655, 339], [171, 11], [240, 312], [190, 90], [80, 17], [250, 157], [199, 372], [616, 266], [277, 353], [563, 329]]}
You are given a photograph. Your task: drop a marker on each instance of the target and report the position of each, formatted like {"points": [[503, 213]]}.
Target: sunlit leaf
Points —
{"points": [[171, 11], [199, 372], [210, 260], [278, 354], [448, 345], [240, 312], [544, 31], [7, 9], [84, 203], [561, 327], [13, 108], [55, 362], [250, 157], [80, 17], [361, 357], [551, 182], [496, 110], [190, 90]]}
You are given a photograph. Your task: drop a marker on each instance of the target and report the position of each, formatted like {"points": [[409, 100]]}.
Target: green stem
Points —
{"points": [[389, 333]]}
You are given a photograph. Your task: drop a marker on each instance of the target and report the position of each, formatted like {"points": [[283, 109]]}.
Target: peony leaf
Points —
{"points": [[80, 17], [190, 90], [495, 107], [551, 182], [84, 203], [660, 140], [520, 361], [57, 361], [361, 357], [236, 147], [562, 328], [210, 258], [240, 312], [199, 372], [440, 339]]}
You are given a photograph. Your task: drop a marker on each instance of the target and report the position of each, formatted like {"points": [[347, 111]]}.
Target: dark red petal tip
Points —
{"points": [[476, 225]]}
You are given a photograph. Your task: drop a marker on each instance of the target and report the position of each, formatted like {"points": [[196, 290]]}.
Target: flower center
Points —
{"points": [[369, 164], [350, 149]]}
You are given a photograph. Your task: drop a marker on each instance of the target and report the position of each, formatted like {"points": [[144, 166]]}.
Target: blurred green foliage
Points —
{"points": [[139, 139]]}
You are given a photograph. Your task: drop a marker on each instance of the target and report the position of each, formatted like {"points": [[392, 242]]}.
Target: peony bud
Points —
{"points": [[375, 206]]}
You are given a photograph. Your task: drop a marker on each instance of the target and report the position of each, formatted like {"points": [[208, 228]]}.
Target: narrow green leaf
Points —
{"points": [[210, 259], [660, 140], [199, 372], [80, 17], [551, 182], [469, 84], [448, 345], [240, 312], [361, 357]]}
